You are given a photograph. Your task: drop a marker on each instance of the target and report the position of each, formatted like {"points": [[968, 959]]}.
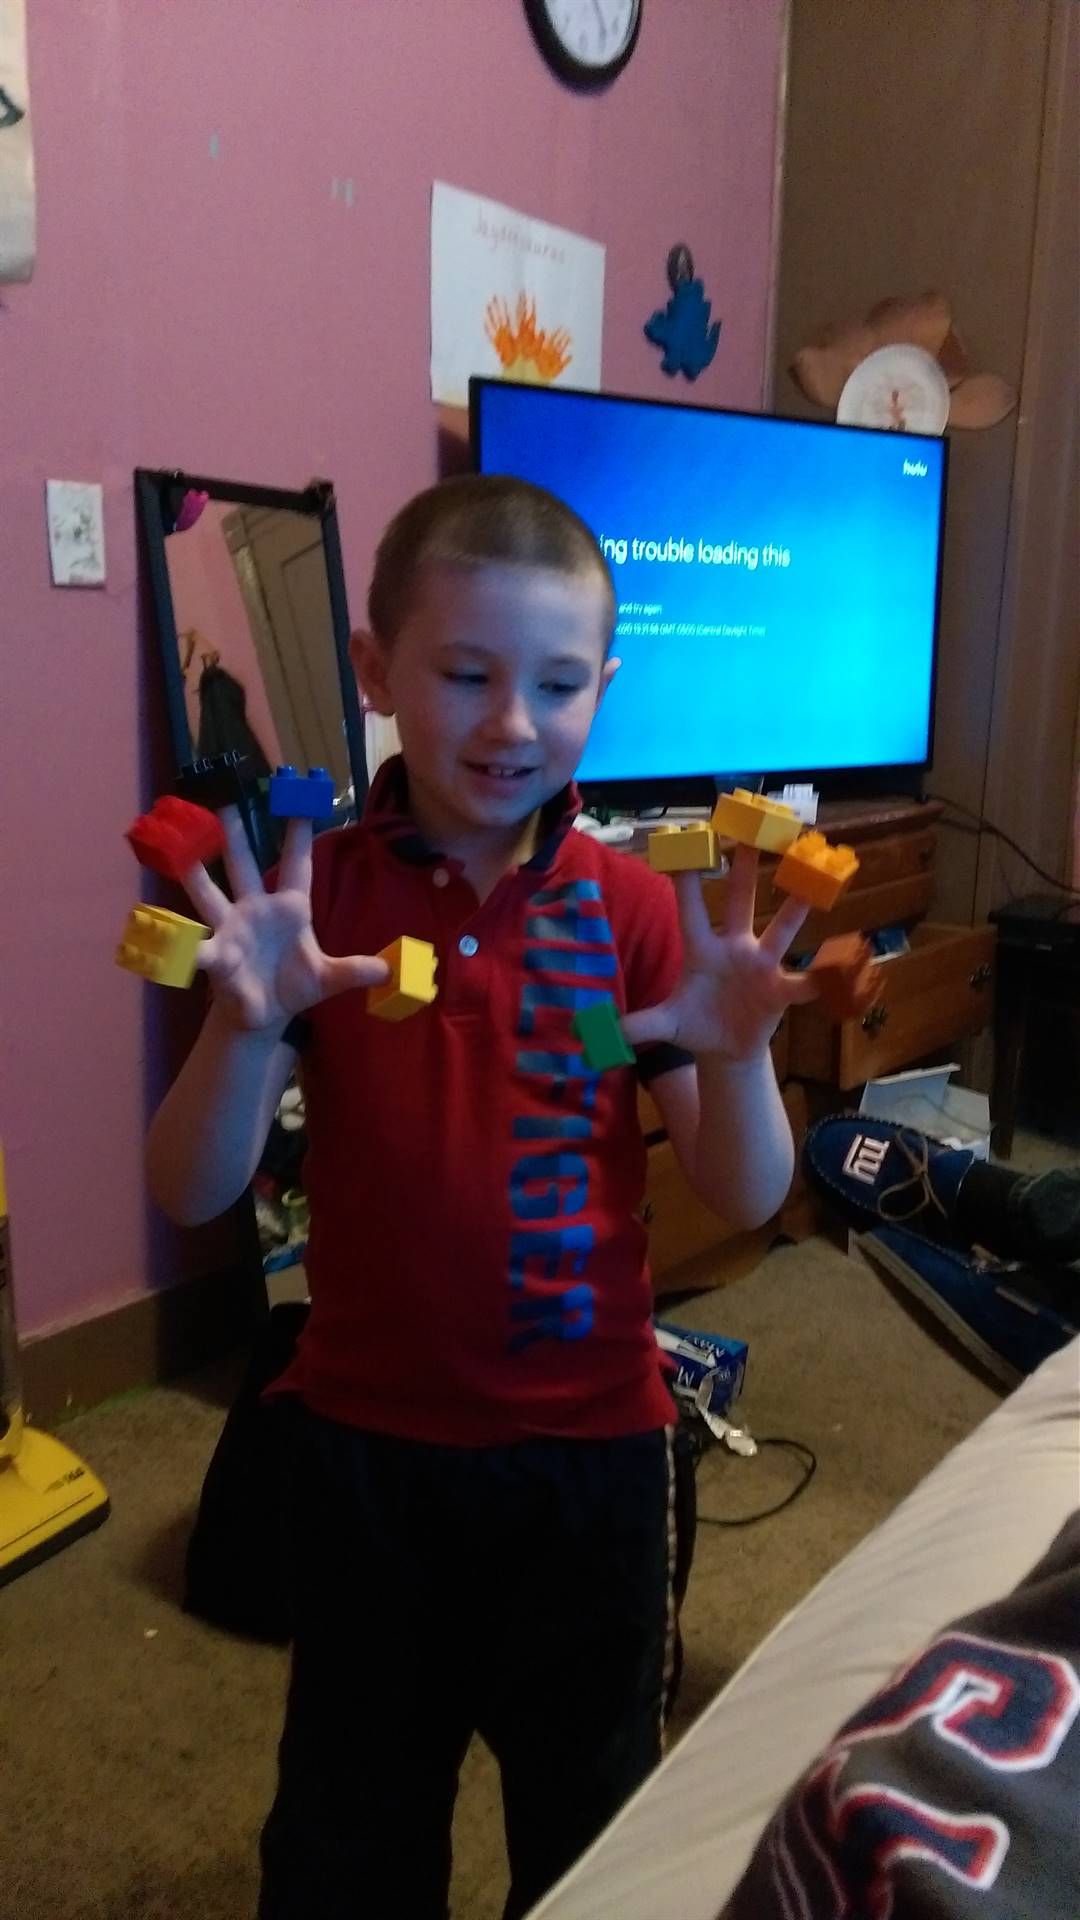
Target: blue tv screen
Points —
{"points": [[777, 580]]}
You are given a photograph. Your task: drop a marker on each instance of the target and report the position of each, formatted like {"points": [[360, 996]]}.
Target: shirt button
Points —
{"points": [[440, 877], [468, 945]]}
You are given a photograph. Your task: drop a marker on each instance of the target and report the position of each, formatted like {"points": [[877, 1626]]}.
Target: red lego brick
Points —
{"points": [[847, 976], [174, 836]]}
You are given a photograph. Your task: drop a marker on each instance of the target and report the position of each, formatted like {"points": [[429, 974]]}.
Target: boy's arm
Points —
{"points": [[207, 1136], [731, 1136], [724, 1114], [264, 965]]}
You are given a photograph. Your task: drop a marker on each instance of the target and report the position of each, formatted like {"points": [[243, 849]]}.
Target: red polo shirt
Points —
{"points": [[476, 1264]]}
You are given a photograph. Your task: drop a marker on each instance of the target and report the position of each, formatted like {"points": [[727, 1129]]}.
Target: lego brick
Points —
{"points": [[682, 849], [217, 780], [411, 984], [174, 836], [295, 796], [161, 946], [816, 872], [754, 821], [847, 978], [601, 1036]]}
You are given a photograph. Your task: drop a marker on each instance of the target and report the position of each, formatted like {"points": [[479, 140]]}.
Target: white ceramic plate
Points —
{"points": [[900, 387]]}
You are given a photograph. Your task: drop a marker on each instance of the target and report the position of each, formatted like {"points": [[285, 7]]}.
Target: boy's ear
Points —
{"points": [[368, 656], [607, 674]]}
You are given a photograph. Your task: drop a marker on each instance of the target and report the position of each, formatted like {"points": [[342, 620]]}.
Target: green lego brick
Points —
{"points": [[598, 1029]]}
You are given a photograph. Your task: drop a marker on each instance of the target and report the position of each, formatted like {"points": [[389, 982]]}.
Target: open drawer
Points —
{"points": [[931, 997]]}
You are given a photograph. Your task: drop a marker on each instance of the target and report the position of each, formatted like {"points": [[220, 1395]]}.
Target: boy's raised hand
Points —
{"points": [[733, 989], [262, 959]]}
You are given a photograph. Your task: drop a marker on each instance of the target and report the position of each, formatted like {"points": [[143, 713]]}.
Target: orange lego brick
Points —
{"points": [[814, 871], [755, 822], [847, 976], [161, 946], [682, 849], [411, 984]]}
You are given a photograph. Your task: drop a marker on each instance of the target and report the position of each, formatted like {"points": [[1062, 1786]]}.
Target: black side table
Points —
{"points": [[1038, 964]]}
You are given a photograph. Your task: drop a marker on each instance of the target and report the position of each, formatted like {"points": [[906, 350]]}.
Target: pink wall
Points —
{"points": [[226, 315]]}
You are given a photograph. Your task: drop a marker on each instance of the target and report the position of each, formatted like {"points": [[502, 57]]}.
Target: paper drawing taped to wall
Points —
{"points": [[17, 238], [510, 296]]}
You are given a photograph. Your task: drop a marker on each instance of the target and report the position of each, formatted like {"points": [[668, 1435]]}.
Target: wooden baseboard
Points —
{"points": [[153, 1339]]}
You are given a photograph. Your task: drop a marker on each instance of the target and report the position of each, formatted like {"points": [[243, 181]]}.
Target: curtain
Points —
{"points": [[1033, 769]]}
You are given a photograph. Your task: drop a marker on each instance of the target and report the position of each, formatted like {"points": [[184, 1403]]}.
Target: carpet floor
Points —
{"points": [[138, 1744]]}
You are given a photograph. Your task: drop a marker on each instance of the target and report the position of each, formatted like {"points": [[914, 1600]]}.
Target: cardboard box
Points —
{"points": [[924, 1098], [706, 1371]]}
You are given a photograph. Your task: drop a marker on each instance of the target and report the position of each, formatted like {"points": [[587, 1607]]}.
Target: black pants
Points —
{"points": [[1032, 1217], [523, 1592]]}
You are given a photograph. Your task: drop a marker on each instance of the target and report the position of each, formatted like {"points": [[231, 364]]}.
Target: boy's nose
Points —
{"points": [[513, 722]]}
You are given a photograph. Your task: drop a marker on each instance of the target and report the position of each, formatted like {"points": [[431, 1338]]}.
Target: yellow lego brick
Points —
{"points": [[755, 822], [814, 871], [412, 980], [161, 946], [682, 849]]}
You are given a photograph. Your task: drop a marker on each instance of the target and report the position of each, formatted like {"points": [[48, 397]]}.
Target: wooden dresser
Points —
{"points": [[932, 997]]}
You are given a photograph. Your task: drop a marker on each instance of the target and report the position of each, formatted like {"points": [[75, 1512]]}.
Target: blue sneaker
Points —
{"points": [[998, 1310], [877, 1173]]}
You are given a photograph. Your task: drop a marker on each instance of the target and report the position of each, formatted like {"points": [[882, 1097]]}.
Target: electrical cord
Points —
{"points": [[798, 1448], [983, 825]]}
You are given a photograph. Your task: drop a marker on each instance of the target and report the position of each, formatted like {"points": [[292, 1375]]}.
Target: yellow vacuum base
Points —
{"points": [[47, 1499]]}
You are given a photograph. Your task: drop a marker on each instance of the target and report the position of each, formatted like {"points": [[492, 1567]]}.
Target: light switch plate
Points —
{"points": [[76, 521]]}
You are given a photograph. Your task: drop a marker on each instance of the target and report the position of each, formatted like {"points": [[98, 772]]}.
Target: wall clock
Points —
{"points": [[586, 41]]}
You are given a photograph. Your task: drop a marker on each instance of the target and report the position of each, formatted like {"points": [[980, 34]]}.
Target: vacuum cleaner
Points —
{"points": [[48, 1496]]}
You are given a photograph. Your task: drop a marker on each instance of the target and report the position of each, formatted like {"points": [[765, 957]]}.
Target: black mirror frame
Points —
{"points": [[154, 488]]}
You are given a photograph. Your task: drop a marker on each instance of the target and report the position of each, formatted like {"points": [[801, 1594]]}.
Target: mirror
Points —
{"points": [[253, 623], [249, 597]]}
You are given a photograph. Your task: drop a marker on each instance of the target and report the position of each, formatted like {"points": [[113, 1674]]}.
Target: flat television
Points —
{"points": [[778, 585]]}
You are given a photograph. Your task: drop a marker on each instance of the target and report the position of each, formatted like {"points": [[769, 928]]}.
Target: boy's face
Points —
{"points": [[494, 678]]}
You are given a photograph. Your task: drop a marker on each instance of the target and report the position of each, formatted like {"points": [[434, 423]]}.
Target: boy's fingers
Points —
{"points": [[240, 863], [741, 891], [697, 932], [206, 895], [783, 927], [294, 870], [800, 987], [651, 1023], [357, 970]]}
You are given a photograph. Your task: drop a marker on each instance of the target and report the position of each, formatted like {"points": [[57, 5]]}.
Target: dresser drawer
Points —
{"points": [[882, 863], [931, 997], [680, 1225], [890, 903]]}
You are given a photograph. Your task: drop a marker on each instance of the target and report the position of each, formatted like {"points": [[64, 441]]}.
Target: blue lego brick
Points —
{"points": [[294, 796]]}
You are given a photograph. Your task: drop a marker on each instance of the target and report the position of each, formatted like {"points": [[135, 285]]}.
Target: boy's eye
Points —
{"points": [[561, 688], [462, 677]]}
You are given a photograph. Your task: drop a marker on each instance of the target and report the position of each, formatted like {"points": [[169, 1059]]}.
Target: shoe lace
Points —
{"points": [[918, 1159]]}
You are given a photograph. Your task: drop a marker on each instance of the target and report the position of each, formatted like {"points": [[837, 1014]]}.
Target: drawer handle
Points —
{"points": [[874, 1019], [981, 975]]}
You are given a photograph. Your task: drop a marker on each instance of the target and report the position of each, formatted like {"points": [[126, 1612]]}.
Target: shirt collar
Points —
{"points": [[387, 816]]}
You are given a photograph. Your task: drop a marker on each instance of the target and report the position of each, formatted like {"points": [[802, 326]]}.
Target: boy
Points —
{"points": [[482, 1425]]}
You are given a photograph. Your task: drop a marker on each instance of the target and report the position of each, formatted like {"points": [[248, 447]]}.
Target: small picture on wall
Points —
{"points": [[510, 296], [76, 533], [17, 200]]}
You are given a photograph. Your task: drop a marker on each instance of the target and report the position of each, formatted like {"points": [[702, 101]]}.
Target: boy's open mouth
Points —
{"points": [[495, 770]]}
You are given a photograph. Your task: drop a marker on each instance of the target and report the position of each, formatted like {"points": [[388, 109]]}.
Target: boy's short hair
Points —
{"points": [[474, 518]]}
